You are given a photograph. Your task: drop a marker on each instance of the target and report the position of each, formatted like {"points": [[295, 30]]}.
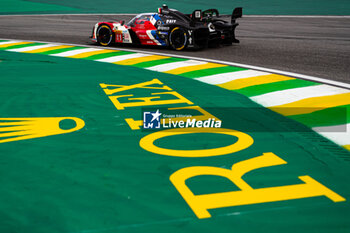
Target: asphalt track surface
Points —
{"points": [[312, 46]]}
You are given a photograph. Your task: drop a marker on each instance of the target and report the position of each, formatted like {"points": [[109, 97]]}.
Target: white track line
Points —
{"points": [[31, 48], [10, 42], [291, 95], [175, 65], [123, 57], [275, 71], [227, 77], [342, 137], [75, 52]]}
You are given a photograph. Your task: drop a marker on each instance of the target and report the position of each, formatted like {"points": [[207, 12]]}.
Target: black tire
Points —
{"points": [[178, 38], [104, 35]]}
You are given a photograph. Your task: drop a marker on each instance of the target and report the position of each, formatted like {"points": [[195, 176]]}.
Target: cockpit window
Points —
{"points": [[140, 17]]}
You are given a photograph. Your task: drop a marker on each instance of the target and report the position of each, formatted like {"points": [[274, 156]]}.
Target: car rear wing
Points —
{"points": [[214, 13], [236, 13], [211, 14]]}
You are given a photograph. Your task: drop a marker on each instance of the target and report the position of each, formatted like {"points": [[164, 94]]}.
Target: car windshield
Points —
{"points": [[139, 17]]}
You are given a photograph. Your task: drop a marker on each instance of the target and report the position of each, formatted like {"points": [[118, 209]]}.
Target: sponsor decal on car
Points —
{"points": [[163, 28], [170, 21]]}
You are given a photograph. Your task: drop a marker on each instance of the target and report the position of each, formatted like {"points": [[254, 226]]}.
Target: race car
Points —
{"points": [[170, 28]]}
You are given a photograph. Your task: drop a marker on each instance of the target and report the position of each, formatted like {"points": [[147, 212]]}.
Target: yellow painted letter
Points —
{"points": [[148, 101], [145, 85], [200, 204], [244, 141]]}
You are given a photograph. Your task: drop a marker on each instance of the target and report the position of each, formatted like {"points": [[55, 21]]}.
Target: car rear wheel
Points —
{"points": [[178, 38], [104, 35]]}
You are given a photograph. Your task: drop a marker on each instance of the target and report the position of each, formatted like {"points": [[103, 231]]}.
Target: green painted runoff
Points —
{"points": [[99, 179]]}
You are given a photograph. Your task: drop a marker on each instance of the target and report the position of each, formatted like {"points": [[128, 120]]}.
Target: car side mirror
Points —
{"points": [[122, 22]]}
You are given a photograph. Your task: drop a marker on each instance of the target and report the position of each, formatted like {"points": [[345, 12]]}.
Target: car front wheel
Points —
{"points": [[104, 35]]}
